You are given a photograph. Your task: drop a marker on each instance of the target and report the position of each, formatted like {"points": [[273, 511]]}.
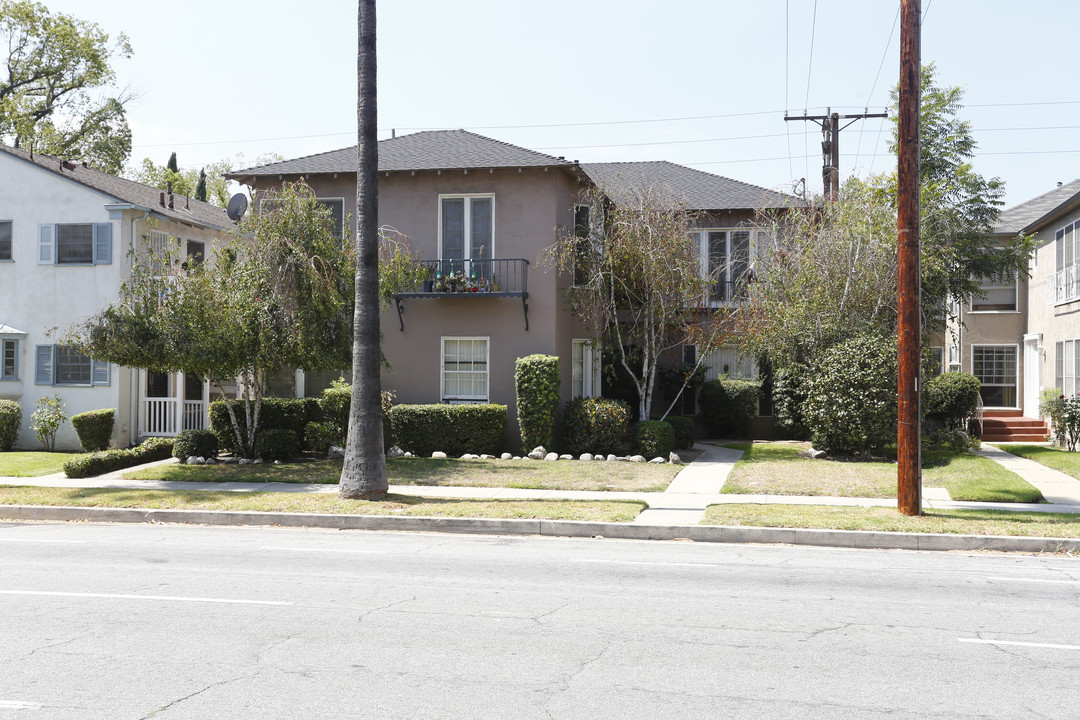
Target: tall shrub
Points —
{"points": [[595, 425], [47, 418], [850, 404], [951, 398], [788, 395], [10, 421], [94, 428], [536, 391], [729, 406]]}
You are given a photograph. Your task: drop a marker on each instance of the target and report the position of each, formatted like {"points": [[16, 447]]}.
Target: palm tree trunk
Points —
{"points": [[364, 473]]}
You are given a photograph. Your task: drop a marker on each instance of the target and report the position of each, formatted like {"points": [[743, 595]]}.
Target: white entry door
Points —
{"points": [[1032, 371]]}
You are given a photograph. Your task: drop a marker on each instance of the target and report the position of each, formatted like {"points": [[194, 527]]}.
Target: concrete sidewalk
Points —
{"points": [[1056, 486]]}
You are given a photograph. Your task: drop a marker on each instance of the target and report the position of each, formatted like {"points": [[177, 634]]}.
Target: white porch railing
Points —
{"points": [[162, 417], [1063, 286]]}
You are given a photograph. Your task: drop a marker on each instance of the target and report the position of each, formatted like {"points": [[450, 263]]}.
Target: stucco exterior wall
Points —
{"points": [[39, 298], [1052, 322]]}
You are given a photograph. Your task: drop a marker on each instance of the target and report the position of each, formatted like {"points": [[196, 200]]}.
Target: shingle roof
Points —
{"points": [[700, 190], [429, 150], [1027, 216], [185, 210]]}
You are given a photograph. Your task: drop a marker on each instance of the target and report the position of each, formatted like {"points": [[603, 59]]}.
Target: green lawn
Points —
{"points": [[33, 464], [952, 522], [785, 469], [592, 511], [529, 474], [1063, 460]]}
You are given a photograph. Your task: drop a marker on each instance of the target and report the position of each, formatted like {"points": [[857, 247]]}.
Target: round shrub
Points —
{"points": [[10, 422], [277, 445], [729, 406], [684, 431], [850, 403], [951, 398], [788, 395], [319, 436], [536, 392], [595, 425], [654, 438], [94, 428], [335, 402], [195, 443]]}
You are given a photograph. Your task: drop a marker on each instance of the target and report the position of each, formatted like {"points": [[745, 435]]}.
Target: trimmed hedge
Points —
{"points": [[654, 438], [277, 445], [683, 427], [536, 392], [319, 436], [851, 397], [453, 429], [335, 403], [788, 396], [951, 398], [595, 425], [94, 428], [98, 463], [276, 414], [195, 443], [730, 406], [10, 422]]}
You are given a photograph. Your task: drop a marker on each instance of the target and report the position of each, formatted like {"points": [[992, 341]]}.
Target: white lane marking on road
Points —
{"points": [[43, 540], [642, 562], [19, 705], [1019, 644], [1035, 580], [175, 598], [328, 550]]}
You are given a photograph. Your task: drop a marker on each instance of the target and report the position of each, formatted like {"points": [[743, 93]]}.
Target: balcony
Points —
{"points": [[726, 292], [471, 279], [1063, 286]]}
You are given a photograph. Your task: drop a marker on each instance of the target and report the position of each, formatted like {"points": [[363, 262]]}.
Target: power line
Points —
{"points": [[877, 77]]}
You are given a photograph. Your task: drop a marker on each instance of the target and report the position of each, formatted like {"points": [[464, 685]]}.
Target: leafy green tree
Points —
{"points": [[363, 474], [54, 86], [187, 182], [200, 189], [171, 165]]}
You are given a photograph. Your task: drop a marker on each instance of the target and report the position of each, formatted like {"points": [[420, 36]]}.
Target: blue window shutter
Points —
{"points": [[103, 244], [99, 374], [43, 375], [46, 253]]}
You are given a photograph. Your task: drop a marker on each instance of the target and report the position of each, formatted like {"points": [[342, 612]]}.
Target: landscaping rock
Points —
{"points": [[611, 458], [539, 449], [816, 453], [585, 456], [537, 455], [487, 457], [407, 454], [211, 461], [599, 457], [658, 461], [566, 457], [674, 459], [197, 460], [335, 452], [551, 456], [622, 458], [230, 460], [438, 454], [507, 456], [469, 456], [257, 461], [243, 461], [516, 457], [395, 452], [277, 462]]}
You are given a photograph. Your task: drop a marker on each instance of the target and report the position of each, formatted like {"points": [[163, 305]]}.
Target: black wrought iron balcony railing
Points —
{"points": [[472, 278], [728, 291]]}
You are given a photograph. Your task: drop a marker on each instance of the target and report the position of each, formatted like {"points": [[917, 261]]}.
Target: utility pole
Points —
{"points": [[830, 145], [908, 440]]}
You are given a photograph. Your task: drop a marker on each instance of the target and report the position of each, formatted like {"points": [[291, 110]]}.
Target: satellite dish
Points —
{"points": [[238, 204]]}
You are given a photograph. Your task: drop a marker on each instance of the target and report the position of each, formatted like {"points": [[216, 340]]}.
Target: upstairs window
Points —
{"points": [[9, 359], [996, 295], [336, 206], [75, 244], [466, 227], [581, 245], [5, 240], [728, 256]]}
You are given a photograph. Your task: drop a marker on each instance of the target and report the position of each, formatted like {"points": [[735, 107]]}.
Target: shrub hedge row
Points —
{"points": [[195, 443], [94, 428], [730, 406], [276, 414], [453, 429], [595, 425], [97, 463]]}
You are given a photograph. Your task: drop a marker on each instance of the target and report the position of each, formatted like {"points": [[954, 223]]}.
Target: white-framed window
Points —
{"points": [[996, 295], [585, 361], [728, 256], [464, 369], [937, 360], [5, 241], [64, 365], [467, 226], [9, 359], [75, 244], [196, 251], [582, 247], [729, 362], [996, 368], [336, 206], [1067, 366], [1064, 284]]}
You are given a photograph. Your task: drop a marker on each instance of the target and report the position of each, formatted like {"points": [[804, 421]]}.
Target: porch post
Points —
{"points": [[180, 394], [299, 384], [206, 404]]}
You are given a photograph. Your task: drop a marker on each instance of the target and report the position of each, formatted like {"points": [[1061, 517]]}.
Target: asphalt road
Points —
{"points": [[170, 622]]}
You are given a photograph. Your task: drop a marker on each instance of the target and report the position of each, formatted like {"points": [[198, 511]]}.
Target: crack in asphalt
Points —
{"points": [[364, 615], [211, 686]]}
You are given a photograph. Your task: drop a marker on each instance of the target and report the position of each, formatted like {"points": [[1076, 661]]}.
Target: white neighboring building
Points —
{"points": [[65, 235]]}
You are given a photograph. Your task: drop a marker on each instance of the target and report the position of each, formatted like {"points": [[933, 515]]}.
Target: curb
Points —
{"points": [[859, 539]]}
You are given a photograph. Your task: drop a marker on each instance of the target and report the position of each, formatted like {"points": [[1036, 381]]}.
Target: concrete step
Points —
{"points": [[1013, 423], [1013, 437]]}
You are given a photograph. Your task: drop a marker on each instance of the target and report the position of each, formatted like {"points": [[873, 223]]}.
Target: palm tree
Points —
{"points": [[364, 473]]}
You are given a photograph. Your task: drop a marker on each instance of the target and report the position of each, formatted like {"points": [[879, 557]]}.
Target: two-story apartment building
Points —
{"points": [[66, 231], [482, 212]]}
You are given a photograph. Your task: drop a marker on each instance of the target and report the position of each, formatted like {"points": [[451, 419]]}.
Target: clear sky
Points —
{"points": [[703, 83]]}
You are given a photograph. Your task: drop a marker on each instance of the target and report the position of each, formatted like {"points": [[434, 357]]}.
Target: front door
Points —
{"points": [[1032, 371]]}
